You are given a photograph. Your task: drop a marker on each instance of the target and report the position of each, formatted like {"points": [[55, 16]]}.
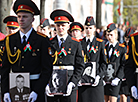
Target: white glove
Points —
{"points": [[7, 97], [48, 91], [69, 88], [96, 82], [115, 82], [32, 97], [134, 92], [104, 83]]}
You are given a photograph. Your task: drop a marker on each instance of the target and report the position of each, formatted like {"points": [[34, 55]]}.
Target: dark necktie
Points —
{"points": [[111, 46], [88, 42], [24, 40], [62, 40]]}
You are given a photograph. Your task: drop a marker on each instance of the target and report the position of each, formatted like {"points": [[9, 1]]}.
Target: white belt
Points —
{"points": [[64, 67], [34, 76]]}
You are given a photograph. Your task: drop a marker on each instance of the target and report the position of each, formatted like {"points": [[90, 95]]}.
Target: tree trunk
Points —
{"points": [[42, 9], [5, 6], [98, 13]]}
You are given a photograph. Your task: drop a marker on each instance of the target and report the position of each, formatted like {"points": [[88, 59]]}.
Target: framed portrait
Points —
{"points": [[110, 73], [19, 86], [58, 82], [89, 74]]}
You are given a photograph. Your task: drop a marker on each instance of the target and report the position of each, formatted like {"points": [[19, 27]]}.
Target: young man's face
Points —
{"points": [[11, 30], [90, 30], [20, 82], [25, 19], [76, 34], [62, 28]]}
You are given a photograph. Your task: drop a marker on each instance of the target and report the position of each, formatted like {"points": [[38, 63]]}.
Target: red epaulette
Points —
{"points": [[121, 45], [134, 34], [100, 40], [105, 44], [2, 39], [50, 38], [74, 39], [80, 39], [41, 34]]}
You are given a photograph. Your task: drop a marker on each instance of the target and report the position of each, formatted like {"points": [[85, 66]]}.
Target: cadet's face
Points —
{"points": [[62, 28], [76, 34], [11, 30], [25, 20], [45, 30], [20, 82], [88, 72], [111, 37], [90, 30], [110, 70]]}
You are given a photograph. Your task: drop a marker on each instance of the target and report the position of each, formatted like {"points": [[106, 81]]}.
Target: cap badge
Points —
{"points": [[41, 25], [12, 23], [59, 18], [88, 23], [21, 7], [74, 26]]}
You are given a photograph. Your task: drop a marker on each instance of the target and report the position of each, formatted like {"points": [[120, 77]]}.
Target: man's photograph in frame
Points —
{"points": [[89, 74], [19, 87], [58, 82], [110, 73]]}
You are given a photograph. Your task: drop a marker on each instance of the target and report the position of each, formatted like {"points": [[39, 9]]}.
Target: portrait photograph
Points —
{"points": [[110, 73], [58, 82], [89, 74], [19, 87]]}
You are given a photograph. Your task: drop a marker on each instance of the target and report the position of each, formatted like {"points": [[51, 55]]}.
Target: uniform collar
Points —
{"points": [[64, 37], [27, 34], [113, 43], [91, 39]]}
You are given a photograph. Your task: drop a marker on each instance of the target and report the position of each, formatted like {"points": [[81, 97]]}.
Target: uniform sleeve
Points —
{"points": [[120, 73], [79, 65], [129, 69], [102, 61], [5, 70], [47, 67]]}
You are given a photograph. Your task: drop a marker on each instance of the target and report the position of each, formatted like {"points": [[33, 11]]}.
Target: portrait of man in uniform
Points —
{"points": [[89, 73], [20, 91], [110, 73], [58, 82]]}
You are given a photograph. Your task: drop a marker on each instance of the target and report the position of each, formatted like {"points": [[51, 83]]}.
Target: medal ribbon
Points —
{"points": [[92, 49], [116, 53], [28, 46], [62, 51]]}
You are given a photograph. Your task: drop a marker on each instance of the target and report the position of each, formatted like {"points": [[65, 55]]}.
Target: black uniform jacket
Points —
{"points": [[73, 58], [98, 57], [35, 61], [131, 61], [19, 96], [118, 58]]}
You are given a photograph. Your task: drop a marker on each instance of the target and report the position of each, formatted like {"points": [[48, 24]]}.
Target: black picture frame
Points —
{"points": [[89, 74], [58, 82], [110, 72]]}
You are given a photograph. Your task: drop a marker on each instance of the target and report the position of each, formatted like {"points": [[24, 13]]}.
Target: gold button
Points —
{"points": [[22, 56], [22, 66], [60, 62], [60, 56]]}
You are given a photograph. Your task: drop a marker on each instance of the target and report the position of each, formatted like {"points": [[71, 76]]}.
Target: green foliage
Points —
{"points": [[129, 14]]}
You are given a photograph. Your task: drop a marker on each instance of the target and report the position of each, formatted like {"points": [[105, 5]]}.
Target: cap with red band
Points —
{"points": [[111, 27], [76, 26], [25, 6], [11, 21], [61, 16]]}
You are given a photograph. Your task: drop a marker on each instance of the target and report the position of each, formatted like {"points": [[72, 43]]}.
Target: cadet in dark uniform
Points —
{"points": [[27, 51], [45, 26], [115, 53], [12, 25], [68, 55], [76, 30], [124, 91], [131, 66], [93, 49]]}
